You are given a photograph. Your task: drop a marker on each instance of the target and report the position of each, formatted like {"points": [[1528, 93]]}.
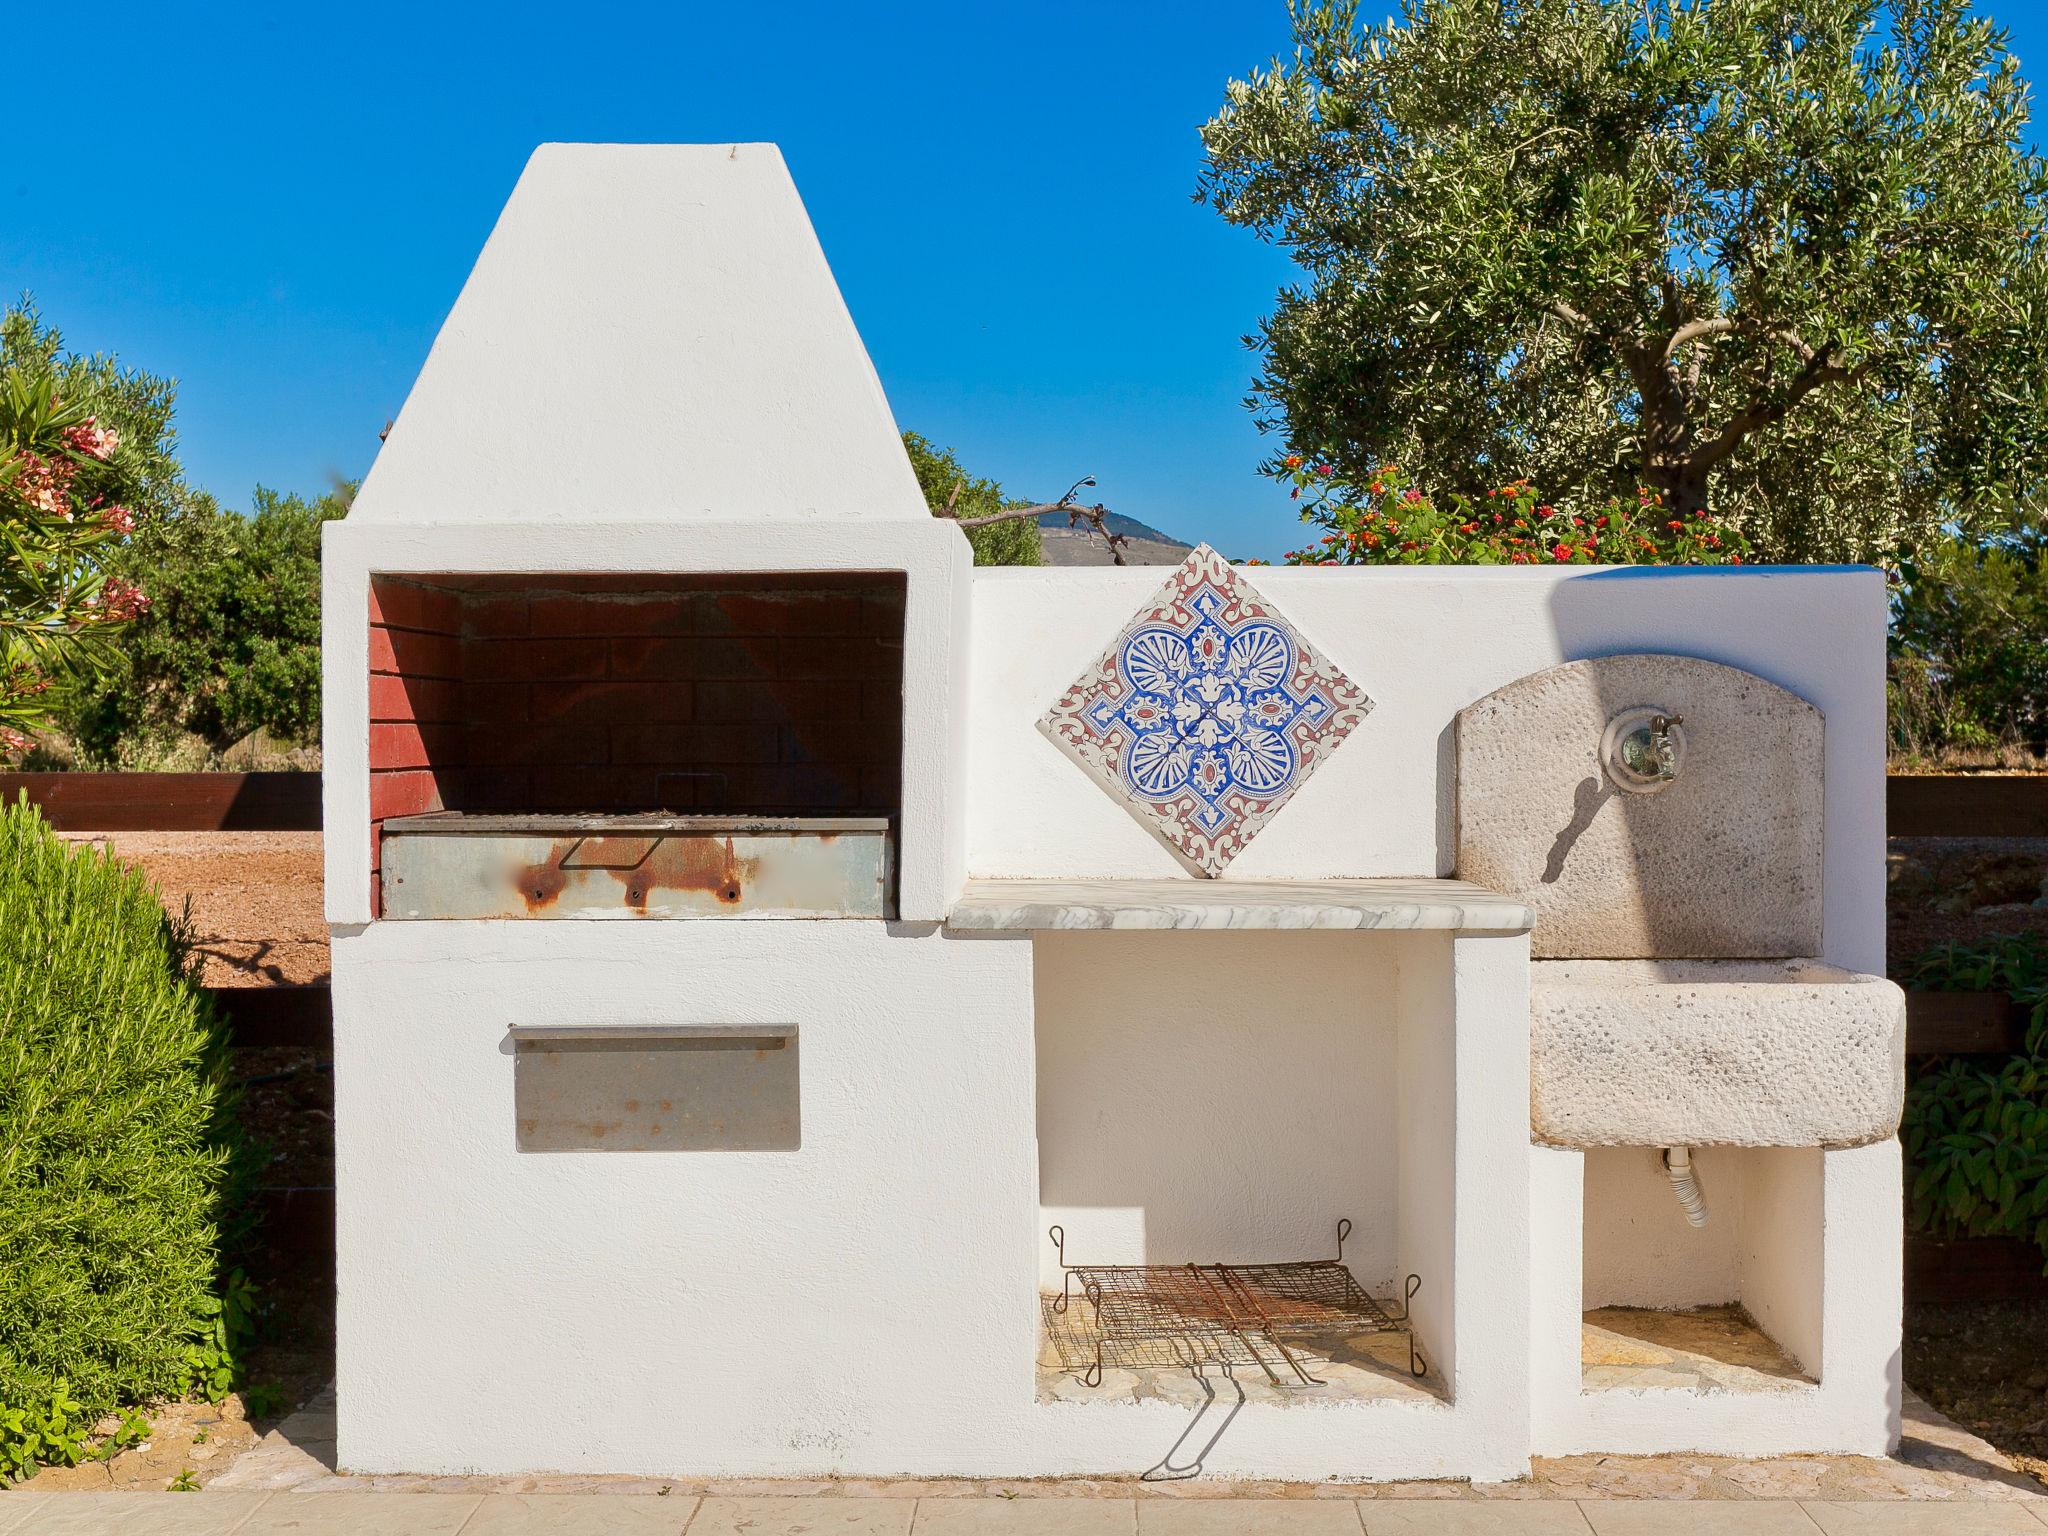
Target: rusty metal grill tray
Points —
{"points": [[1165, 1315], [640, 864]]}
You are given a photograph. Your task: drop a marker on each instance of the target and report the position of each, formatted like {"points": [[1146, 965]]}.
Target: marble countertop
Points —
{"points": [[1025, 905]]}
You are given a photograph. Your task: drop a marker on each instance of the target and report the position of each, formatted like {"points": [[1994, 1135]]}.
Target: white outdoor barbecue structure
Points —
{"points": [[1440, 1005]]}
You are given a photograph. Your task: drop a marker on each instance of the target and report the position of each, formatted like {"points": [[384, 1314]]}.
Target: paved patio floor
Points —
{"points": [[362, 1512], [1945, 1482]]}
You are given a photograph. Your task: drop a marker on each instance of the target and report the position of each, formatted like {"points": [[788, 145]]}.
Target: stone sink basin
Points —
{"points": [[1743, 1053]]}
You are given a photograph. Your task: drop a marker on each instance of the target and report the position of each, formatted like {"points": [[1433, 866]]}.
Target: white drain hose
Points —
{"points": [[1685, 1184]]}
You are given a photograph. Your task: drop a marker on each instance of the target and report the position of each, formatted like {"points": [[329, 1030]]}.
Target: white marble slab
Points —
{"points": [[1024, 905]]}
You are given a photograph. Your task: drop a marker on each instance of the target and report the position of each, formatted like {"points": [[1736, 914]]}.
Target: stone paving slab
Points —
{"points": [[811, 1517], [1536, 1517], [352, 1513], [571, 1514]]}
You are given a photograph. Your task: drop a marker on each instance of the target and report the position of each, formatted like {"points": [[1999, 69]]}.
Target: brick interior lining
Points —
{"points": [[716, 695]]}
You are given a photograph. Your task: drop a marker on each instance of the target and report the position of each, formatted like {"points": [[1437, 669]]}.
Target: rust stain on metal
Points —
{"points": [[689, 864], [541, 884]]}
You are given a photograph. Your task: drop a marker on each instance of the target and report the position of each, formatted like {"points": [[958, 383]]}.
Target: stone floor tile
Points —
{"points": [[1025, 1517], [1546, 1517], [1922, 1518], [1747, 1517], [578, 1514], [15, 1505], [362, 1514], [724, 1516], [1434, 1488], [140, 1514], [1248, 1517]]}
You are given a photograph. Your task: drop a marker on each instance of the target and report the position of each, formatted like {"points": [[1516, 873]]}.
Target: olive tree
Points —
{"points": [[1783, 256]]}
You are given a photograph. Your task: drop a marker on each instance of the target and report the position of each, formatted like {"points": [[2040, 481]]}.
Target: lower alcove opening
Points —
{"points": [[1731, 1306], [1221, 1101]]}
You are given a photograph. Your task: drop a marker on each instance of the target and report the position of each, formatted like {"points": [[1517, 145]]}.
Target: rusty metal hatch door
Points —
{"points": [[452, 865], [656, 1088]]}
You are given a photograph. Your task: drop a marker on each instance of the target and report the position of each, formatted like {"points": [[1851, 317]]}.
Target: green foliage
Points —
{"points": [[215, 1359], [84, 460], [232, 640], [1969, 646], [1388, 521], [1976, 1136], [945, 484], [1786, 251], [118, 1153]]}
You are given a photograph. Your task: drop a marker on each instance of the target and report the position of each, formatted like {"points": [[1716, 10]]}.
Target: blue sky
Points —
{"points": [[278, 205]]}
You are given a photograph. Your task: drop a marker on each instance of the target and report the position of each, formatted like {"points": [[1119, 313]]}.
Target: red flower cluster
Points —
{"points": [[1384, 519]]}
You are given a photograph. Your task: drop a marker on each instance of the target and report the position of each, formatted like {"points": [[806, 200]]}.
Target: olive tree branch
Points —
{"points": [[1096, 517]]}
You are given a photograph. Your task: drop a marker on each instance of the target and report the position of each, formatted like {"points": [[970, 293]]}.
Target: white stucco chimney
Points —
{"points": [[651, 333]]}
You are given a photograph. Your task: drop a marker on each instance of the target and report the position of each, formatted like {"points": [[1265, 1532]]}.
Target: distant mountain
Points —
{"points": [[1082, 546]]}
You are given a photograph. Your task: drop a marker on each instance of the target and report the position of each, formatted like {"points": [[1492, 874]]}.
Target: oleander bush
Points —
{"points": [[119, 1156]]}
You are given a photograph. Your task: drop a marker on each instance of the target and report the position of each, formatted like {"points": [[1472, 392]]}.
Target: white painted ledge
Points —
{"points": [[1026, 905]]}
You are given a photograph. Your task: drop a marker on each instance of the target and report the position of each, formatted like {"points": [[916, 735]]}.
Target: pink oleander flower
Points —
{"points": [[122, 600], [92, 439], [13, 742], [118, 520], [45, 484]]}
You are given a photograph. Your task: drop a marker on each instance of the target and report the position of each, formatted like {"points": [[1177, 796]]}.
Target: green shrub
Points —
{"points": [[1969, 651], [1976, 1132], [117, 1143], [946, 485], [231, 642]]}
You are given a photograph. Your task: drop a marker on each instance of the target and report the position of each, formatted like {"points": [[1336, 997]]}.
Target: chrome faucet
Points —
{"points": [[1663, 746]]}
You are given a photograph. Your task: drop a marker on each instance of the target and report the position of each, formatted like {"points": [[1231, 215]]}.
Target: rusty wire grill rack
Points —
{"points": [[1192, 1315]]}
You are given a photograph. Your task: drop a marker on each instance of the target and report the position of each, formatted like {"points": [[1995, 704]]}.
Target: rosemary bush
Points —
{"points": [[117, 1143]]}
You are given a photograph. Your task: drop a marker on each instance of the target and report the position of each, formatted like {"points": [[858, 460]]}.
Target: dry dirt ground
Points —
{"points": [[254, 899]]}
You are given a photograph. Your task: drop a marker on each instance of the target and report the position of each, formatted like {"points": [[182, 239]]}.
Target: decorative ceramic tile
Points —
{"points": [[1206, 713]]}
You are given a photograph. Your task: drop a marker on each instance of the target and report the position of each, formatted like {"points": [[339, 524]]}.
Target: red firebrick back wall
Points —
{"points": [[604, 696]]}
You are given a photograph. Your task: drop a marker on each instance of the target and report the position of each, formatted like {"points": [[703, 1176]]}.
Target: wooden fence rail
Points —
{"points": [[171, 802], [1967, 805]]}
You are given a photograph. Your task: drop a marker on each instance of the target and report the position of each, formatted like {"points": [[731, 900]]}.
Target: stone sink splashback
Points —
{"points": [[1724, 862]]}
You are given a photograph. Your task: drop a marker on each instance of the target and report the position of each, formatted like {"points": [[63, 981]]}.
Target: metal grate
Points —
{"points": [[1165, 1315]]}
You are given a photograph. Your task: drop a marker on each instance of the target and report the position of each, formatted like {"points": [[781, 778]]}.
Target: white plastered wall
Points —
{"points": [[1424, 643], [865, 1305], [745, 1313], [1760, 1247]]}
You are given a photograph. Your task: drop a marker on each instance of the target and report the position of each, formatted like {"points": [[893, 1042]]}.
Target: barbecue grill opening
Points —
{"points": [[765, 704]]}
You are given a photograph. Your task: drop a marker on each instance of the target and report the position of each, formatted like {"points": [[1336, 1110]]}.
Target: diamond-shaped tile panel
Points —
{"points": [[1206, 713]]}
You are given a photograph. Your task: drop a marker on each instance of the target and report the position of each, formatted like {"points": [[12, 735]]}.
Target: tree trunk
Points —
{"points": [[1682, 485]]}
